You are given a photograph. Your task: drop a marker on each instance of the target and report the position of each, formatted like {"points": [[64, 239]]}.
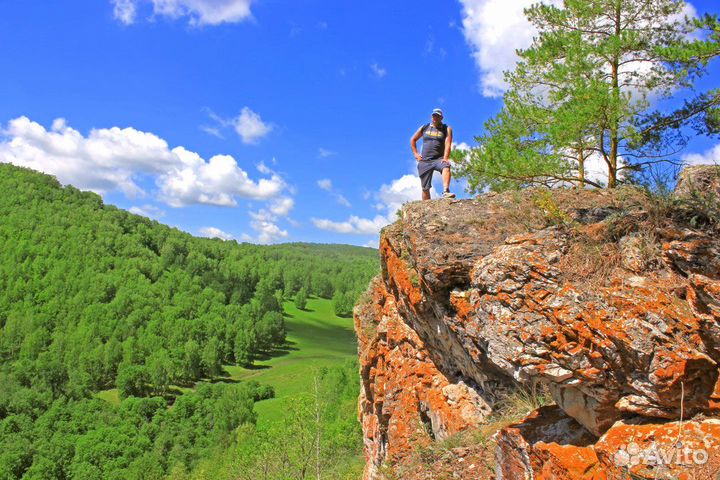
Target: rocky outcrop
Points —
{"points": [[605, 297], [700, 180], [550, 445], [406, 400]]}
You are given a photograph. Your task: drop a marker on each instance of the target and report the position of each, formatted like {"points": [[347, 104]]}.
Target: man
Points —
{"points": [[437, 140]]}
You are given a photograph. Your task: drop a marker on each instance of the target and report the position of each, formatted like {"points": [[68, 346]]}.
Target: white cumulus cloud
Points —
{"points": [[198, 12], [107, 159], [268, 231], [125, 11], [116, 159], [282, 206], [265, 221], [250, 126], [377, 70], [596, 169], [213, 232], [494, 29], [390, 197], [354, 224], [462, 146], [325, 184], [147, 210], [709, 157], [215, 182]]}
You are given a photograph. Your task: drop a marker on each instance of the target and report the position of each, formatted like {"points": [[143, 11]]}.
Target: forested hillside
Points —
{"points": [[93, 297]]}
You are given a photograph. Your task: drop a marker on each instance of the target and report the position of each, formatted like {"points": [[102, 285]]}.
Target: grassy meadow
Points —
{"points": [[316, 338]]}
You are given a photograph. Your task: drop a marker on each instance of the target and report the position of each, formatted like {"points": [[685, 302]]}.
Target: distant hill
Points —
{"points": [[93, 297]]}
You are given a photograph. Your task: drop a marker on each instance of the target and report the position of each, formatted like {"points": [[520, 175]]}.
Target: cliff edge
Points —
{"points": [[607, 299]]}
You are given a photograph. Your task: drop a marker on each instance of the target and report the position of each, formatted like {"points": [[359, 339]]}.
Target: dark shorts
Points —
{"points": [[426, 169]]}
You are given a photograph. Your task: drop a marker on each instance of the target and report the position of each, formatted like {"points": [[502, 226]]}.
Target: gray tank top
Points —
{"points": [[434, 141]]}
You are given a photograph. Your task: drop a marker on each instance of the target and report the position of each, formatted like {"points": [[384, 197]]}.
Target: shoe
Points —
{"points": [[448, 195]]}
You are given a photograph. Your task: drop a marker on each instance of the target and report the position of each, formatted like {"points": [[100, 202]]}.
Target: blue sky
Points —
{"points": [[263, 120]]}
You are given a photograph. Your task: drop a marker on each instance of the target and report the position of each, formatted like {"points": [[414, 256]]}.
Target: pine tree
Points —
{"points": [[701, 112], [584, 88]]}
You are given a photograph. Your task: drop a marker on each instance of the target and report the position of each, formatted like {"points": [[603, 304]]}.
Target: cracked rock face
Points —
{"points": [[617, 312], [405, 399], [619, 349]]}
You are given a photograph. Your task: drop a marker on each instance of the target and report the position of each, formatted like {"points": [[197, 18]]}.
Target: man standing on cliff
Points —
{"points": [[437, 140]]}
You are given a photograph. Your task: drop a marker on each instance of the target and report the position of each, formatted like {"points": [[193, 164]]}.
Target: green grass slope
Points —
{"points": [[317, 338]]}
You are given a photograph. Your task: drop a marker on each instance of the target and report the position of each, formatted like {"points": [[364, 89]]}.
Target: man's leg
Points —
{"points": [[446, 178], [426, 183]]}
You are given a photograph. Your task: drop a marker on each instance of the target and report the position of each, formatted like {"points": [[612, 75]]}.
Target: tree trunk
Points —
{"points": [[614, 120], [581, 166], [612, 169]]}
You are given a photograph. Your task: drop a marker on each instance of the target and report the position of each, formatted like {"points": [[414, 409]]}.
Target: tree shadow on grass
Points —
{"points": [[256, 367], [330, 338], [223, 379], [280, 351]]}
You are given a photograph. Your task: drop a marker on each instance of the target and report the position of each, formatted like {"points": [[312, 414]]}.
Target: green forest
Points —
{"points": [[95, 298]]}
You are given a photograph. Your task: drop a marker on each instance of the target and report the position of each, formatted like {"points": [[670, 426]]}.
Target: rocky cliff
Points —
{"points": [[608, 300]]}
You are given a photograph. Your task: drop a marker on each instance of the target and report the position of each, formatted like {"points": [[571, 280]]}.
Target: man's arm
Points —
{"points": [[448, 144], [413, 142]]}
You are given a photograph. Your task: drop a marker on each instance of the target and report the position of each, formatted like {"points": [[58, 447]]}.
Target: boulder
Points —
{"points": [[617, 349], [641, 448]]}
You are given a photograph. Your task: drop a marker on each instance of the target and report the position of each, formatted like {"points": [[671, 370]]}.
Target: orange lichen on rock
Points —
{"points": [[549, 445], [648, 450], [402, 276], [616, 311], [405, 401]]}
